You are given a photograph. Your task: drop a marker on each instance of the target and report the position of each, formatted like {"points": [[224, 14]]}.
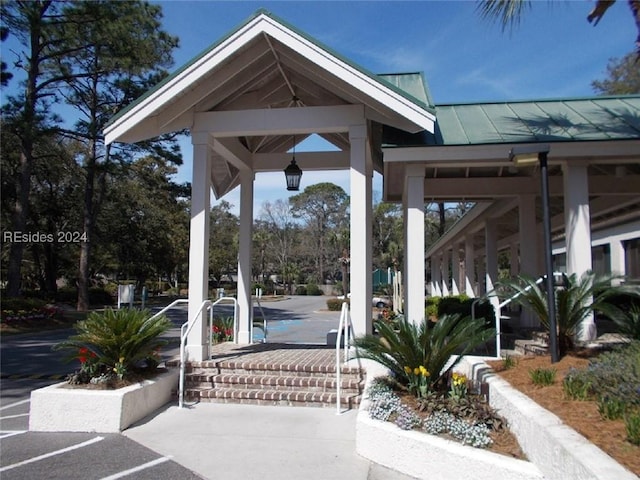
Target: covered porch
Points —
{"points": [[246, 101]]}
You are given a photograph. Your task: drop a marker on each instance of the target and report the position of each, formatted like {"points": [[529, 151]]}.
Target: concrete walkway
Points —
{"points": [[247, 442]]}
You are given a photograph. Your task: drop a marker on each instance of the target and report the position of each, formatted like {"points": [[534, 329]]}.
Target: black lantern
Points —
{"points": [[293, 173]]}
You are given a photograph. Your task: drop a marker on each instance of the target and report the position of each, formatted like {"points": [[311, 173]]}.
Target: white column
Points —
{"points": [[469, 267], [197, 340], [245, 305], [361, 176], [578, 231], [482, 273], [528, 235], [617, 257], [491, 255], [437, 274], [414, 253], [528, 239], [446, 272], [514, 261], [455, 266]]}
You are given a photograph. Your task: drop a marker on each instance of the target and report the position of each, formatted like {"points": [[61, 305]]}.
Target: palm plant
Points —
{"points": [[405, 347], [574, 301], [116, 340]]}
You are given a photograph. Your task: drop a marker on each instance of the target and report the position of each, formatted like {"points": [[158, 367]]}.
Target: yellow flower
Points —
{"points": [[424, 371], [407, 369], [416, 371]]}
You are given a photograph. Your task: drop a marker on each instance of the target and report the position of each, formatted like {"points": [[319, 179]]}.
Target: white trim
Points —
{"points": [[185, 80]]}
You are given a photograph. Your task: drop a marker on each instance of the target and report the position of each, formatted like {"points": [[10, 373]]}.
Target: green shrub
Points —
{"points": [[313, 289], [97, 296], [20, 303], [632, 426], [301, 290], [335, 304], [406, 347], [611, 408], [432, 307], [576, 386], [542, 376], [509, 362], [115, 341]]}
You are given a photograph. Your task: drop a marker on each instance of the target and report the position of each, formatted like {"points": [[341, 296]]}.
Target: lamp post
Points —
{"points": [[529, 155]]}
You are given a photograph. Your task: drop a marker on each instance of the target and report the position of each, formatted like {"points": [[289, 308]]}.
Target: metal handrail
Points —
{"points": [[502, 305], [170, 306], [264, 320], [345, 321], [184, 332]]}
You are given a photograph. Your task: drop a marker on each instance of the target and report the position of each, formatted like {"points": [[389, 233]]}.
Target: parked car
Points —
{"points": [[378, 302]]}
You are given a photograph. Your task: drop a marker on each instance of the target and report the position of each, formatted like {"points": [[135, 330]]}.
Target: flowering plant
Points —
{"points": [[419, 379], [458, 387]]}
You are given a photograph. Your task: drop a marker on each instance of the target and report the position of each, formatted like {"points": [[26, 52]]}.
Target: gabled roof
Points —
{"points": [[266, 63]]}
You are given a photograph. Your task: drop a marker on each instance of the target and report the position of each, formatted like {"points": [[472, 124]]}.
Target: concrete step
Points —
{"points": [[531, 347]]}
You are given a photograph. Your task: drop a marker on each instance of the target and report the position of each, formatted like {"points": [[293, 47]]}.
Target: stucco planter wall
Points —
{"points": [[58, 409], [558, 450], [425, 456]]}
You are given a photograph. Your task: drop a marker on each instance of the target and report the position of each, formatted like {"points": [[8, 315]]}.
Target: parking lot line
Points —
{"points": [[10, 433], [144, 466], [15, 404], [51, 454]]}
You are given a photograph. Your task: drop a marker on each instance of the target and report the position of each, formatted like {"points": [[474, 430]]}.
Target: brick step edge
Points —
{"points": [[530, 347], [265, 381], [271, 397], [263, 367]]}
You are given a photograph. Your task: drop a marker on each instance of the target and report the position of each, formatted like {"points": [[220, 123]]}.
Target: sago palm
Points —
{"points": [[117, 337], [574, 301], [424, 344]]}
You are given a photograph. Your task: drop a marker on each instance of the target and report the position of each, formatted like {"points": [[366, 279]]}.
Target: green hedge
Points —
{"points": [[97, 296], [335, 304], [460, 305]]}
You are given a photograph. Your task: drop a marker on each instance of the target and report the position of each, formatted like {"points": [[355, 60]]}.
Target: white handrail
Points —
{"points": [[170, 306], [184, 332], [345, 321], [502, 305], [264, 320]]}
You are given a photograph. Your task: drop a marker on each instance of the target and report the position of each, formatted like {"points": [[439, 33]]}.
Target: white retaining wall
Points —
{"points": [[558, 450], [428, 457], [58, 409]]}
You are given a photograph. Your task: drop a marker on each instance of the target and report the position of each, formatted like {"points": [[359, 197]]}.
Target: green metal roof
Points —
{"points": [[413, 84], [560, 120], [528, 121]]}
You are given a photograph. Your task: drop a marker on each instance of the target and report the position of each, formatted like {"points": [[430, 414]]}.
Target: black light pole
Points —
{"points": [[526, 155]]}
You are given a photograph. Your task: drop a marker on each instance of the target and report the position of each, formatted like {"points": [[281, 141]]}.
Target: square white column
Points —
{"points": [[197, 340], [469, 266], [414, 238], [528, 235], [361, 177], [437, 274], [578, 231], [446, 272], [491, 255], [455, 267], [245, 304], [617, 257]]}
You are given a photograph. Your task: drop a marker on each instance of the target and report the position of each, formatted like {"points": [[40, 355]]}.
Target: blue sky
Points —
{"points": [[553, 53]]}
